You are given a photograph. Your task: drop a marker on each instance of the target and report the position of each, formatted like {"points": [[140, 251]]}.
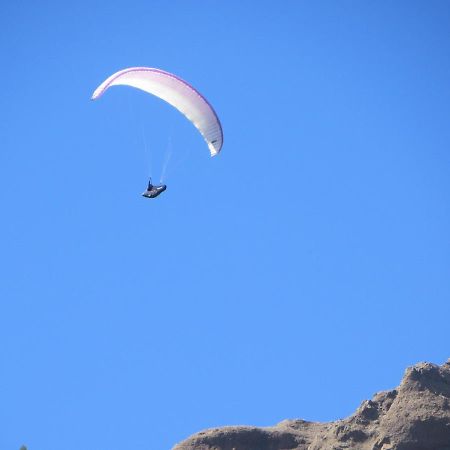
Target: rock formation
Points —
{"points": [[415, 416]]}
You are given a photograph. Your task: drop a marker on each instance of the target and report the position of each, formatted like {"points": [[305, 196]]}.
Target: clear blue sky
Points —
{"points": [[292, 276]]}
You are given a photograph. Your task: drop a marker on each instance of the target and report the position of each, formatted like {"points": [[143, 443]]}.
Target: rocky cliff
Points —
{"points": [[415, 416]]}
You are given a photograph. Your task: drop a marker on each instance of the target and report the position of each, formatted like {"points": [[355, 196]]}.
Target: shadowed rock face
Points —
{"points": [[415, 416]]}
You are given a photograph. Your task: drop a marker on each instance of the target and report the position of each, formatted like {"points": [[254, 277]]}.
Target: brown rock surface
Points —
{"points": [[415, 416]]}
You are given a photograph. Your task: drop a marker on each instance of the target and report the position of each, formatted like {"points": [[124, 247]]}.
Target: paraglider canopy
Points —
{"points": [[175, 91]]}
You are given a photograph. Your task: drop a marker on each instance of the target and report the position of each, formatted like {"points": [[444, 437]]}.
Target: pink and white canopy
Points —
{"points": [[175, 91]]}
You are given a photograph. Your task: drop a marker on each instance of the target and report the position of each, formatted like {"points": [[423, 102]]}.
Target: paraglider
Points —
{"points": [[153, 191], [178, 93]]}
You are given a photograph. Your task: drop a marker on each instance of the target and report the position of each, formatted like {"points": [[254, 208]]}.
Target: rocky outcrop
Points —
{"points": [[415, 416]]}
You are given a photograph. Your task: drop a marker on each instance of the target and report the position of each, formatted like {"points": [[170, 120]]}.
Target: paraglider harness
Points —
{"points": [[153, 191]]}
